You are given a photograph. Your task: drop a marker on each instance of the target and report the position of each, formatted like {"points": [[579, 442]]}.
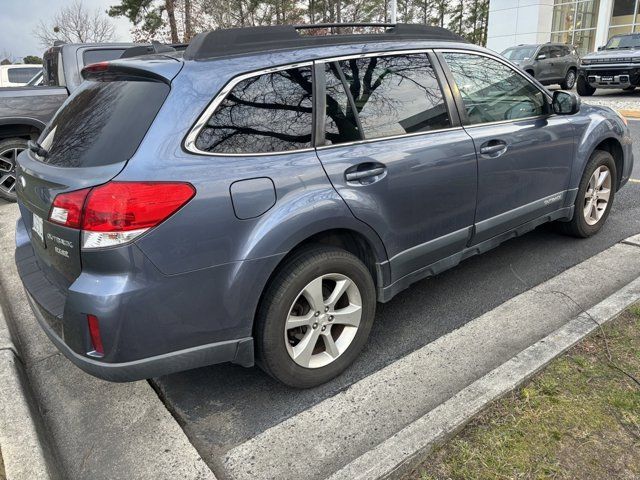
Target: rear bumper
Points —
{"points": [[146, 332], [237, 351]]}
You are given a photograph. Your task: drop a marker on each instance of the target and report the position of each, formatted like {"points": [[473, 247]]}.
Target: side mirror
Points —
{"points": [[565, 103], [541, 57]]}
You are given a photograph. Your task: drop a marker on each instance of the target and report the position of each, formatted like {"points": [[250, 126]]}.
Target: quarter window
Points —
{"points": [[262, 114], [392, 95], [493, 92], [22, 75]]}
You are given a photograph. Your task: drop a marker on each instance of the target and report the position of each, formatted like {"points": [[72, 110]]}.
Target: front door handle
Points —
{"points": [[365, 173], [493, 148]]}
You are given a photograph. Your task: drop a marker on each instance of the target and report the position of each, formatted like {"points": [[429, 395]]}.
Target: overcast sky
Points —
{"points": [[18, 19]]}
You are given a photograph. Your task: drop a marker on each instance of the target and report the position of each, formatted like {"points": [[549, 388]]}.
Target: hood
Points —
{"points": [[616, 55]]}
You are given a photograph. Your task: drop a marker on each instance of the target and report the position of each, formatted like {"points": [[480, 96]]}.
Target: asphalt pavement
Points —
{"points": [[221, 407]]}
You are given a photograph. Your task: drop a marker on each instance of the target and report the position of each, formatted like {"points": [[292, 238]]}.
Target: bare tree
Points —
{"points": [[75, 23], [170, 5]]}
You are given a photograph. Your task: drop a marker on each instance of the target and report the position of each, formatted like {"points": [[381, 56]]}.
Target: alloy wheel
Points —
{"points": [[571, 79], [8, 170], [323, 320], [597, 196]]}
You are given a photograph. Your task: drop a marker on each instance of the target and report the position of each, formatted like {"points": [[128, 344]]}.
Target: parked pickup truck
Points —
{"points": [[24, 111], [616, 65]]}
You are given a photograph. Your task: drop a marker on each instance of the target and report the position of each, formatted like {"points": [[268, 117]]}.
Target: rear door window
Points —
{"points": [[392, 95], [267, 113], [102, 122]]}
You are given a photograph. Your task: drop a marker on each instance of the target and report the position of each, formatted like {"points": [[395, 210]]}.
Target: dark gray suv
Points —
{"points": [[254, 198], [548, 63]]}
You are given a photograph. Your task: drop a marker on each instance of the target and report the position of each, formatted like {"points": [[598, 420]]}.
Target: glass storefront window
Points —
{"points": [[584, 41], [623, 12], [620, 30], [574, 23], [563, 17], [586, 14], [562, 37]]}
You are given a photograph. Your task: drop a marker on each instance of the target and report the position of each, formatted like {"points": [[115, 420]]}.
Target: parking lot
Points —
{"points": [[222, 407]]}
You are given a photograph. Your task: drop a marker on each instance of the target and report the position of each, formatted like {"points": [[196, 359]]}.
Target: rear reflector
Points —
{"points": [[94, 333], [118, 212]]}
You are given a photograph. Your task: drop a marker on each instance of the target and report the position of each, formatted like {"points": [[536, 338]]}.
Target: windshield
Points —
{"points": [[623, 41], [519, 53]]}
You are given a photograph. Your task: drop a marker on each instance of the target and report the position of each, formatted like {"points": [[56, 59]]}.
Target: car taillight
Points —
{"points": [[118, 212], [67, 208]]}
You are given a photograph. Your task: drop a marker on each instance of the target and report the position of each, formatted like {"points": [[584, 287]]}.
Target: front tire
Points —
{"points": [[569, 80], [9, 151], [315, 316], [583, 88], [595, 197]]}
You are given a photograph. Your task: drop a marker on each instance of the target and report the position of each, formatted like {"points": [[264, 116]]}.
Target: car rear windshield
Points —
{"points": [[102, 123]]}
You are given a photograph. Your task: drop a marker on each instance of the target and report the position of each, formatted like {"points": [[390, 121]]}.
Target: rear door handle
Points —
{"points": [[365, 172], [493, 147]]}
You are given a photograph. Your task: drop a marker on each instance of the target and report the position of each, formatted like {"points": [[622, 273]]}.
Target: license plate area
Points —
{"points": [[37, 227], [606, 78]]}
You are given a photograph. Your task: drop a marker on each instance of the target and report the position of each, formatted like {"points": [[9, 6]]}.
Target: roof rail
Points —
{"points": [[234, 41]]}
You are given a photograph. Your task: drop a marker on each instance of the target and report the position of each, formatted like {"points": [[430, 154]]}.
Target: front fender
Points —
{"points": [[593, 126]]}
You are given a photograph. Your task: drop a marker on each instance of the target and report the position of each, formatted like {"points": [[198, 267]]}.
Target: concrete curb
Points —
{"points": [[402, 452], [26, 451], [635, 114]]}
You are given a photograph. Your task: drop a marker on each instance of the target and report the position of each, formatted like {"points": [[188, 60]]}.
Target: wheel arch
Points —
{"points": [[348, 238], [613, 146], [20, 127]]}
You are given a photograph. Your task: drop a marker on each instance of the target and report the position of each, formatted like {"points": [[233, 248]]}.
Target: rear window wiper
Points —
{"points": [[36, 148]]}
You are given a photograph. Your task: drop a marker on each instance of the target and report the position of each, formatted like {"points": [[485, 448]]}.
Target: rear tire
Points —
{"points": [[599, 182], [569, 80], [9, 150], [304, 339], [583, 88]]}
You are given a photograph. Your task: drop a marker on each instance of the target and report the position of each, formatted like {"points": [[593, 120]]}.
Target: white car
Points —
{"points": [[17, 75]]}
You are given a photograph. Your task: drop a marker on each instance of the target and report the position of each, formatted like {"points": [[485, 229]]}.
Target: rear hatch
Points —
{"points": [[87, 143]]}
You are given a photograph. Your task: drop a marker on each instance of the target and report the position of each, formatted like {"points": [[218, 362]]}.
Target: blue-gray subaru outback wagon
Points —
{"points": [[253, 198]]}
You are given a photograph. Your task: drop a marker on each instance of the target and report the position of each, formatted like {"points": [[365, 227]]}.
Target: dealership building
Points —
{"points": [[587, 24]]}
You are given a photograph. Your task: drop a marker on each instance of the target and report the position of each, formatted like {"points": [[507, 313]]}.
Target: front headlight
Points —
{"points": [[585, 62], [636, 60]]}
